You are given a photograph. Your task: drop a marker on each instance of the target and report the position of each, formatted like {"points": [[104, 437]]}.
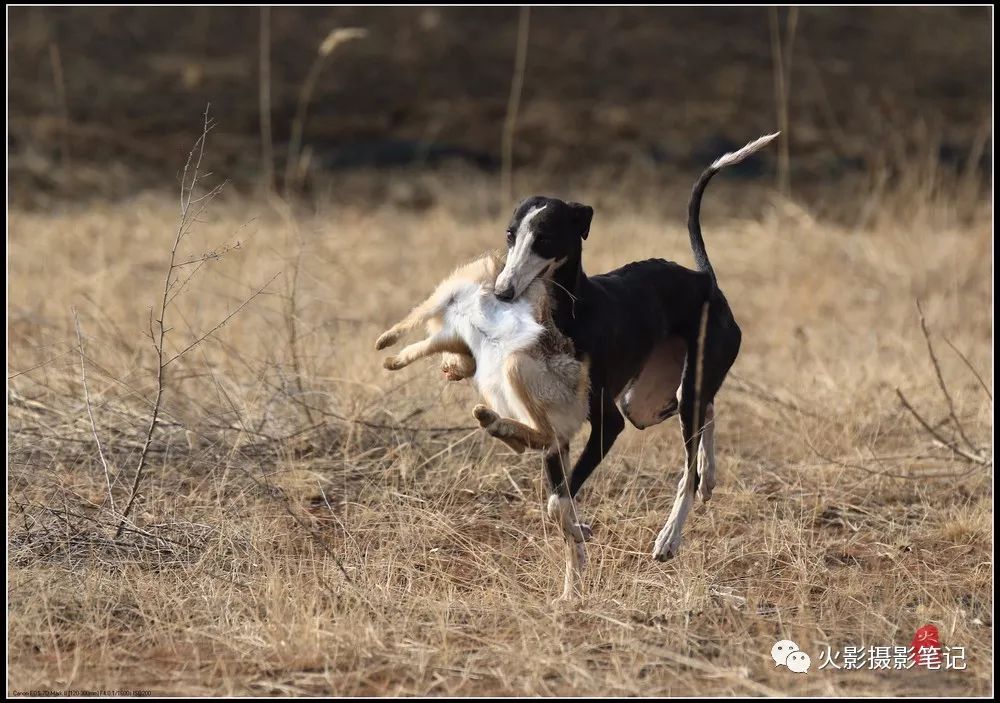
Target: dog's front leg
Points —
{"points": [[561, 509]]}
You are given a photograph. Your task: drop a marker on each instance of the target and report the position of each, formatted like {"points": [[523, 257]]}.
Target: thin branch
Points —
{"points": [[90, 412], [936, 435], [884, 474], [940, 380], [186, 195], [971, 368], [226, 319], [782, 69]]}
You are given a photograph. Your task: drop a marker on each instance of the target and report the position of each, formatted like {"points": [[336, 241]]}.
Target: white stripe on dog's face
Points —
{"points": [[523, 264]]}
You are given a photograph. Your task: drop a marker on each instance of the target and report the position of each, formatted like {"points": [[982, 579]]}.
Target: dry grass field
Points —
{"points": [[309, 523]]}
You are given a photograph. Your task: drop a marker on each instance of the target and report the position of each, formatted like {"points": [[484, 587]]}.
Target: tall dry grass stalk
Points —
{"points": [[59, 84], [293, 165], [264, 92], [781, 61], [513, 106]]}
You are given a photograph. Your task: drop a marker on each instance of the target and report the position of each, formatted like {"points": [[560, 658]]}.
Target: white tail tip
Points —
{"points": [[736, 156]]}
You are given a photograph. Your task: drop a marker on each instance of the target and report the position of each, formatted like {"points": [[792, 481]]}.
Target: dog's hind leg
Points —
{"points": [[668, 541], [705, 368]]}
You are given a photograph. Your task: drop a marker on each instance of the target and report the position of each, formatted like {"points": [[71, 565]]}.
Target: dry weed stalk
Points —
{"points": [[59, 81], [266, 144], [188, 217], [513, 104], [782, 64], [90, 412], [971, 453], [293, 167]]}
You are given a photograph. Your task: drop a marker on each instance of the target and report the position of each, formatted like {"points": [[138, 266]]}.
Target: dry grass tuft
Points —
{"points": [[838, 519]]}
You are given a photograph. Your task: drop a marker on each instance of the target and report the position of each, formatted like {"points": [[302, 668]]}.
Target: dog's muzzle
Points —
{"points": [[506, 294]]}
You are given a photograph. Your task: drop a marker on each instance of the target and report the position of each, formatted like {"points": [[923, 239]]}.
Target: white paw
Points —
{"points": [[562, 511], [706, 487], [668, 543]]}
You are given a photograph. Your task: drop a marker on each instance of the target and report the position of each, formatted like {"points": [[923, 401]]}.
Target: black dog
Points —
{"points": [[659, 339]]}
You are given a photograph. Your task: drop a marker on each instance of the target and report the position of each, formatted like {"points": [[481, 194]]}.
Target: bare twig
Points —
{"points": [[513, 104], [884, 474], [975, 458], [158, 334], [940, 380], [971, 368], [226, 319], [90, 412], [293, 337]]}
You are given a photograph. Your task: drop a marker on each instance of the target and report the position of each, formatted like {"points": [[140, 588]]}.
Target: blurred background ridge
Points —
{"points": [[112, 95]]}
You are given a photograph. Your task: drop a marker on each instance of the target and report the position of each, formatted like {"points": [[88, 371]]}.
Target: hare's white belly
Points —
{"points": [[493, 330]]}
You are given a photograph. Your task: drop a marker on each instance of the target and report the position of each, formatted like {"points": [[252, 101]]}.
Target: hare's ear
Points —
{"points": [[582, 215]]}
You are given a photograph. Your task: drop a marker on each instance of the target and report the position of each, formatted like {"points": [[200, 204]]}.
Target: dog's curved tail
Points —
{"points": [[694, 205]]}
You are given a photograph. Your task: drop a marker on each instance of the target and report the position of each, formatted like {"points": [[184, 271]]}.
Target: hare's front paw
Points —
{"points": [[386, 339]]}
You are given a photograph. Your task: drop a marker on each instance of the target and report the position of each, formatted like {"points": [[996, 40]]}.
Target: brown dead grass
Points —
{"points": [[831, 525]]}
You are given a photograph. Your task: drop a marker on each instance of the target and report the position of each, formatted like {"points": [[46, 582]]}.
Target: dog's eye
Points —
{"points": [[510, 238]]}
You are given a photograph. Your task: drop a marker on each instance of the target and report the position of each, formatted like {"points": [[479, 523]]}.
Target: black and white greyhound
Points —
{"points": [[659, 339]]}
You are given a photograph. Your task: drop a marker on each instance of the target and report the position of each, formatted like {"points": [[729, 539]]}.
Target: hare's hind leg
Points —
{"points": [[516, 435]]}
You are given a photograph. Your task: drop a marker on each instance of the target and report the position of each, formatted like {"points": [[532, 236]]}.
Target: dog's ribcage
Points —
{"points": [[493, 330]]}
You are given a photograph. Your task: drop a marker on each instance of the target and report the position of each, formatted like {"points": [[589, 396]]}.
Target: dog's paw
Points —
{"points": [[563, 512], [386, 339], [668, 543]]}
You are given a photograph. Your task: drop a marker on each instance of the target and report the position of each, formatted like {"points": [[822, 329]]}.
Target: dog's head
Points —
{"points": [[543, 233]]}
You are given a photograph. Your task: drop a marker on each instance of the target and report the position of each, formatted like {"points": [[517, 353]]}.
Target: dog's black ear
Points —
{"points": [[582, 215]]}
